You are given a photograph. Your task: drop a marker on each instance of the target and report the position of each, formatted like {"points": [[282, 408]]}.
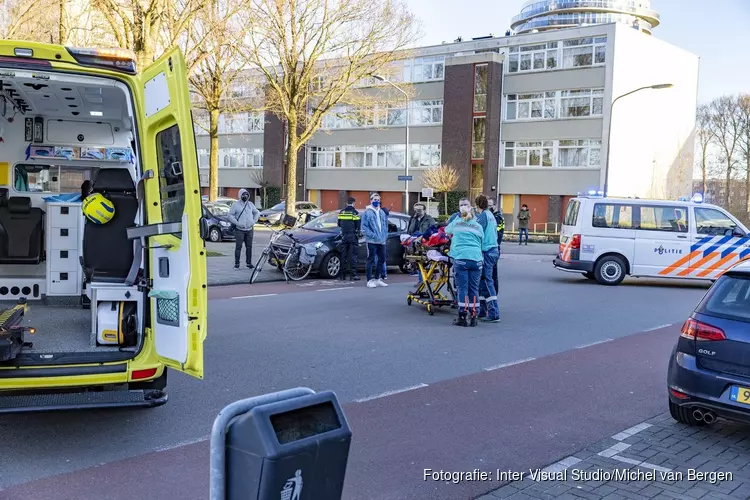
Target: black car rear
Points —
{"points": [[709, 372]]}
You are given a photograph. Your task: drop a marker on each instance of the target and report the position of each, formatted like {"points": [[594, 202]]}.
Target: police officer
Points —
{"points": [[350, 225], [500, 221]]}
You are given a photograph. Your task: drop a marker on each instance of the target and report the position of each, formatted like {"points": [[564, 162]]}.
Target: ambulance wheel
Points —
{"points": [[408, 301], [590, 276], [610, 270]]}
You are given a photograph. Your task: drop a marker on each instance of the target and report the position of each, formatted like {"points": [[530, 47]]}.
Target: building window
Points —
{"points": [[555, 104], [234, 157], [203, 158], [374, 156], [477, 138], [241, 123], [574, 53], [426, 112], [560, 153], [421, 113], [584, 52], [424, 69], [480, 88]]}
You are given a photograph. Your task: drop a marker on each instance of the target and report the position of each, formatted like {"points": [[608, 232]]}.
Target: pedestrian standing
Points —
{"points": [[523, 224], [500, 221], [488, 306], [466, 252], [350, 224], [375, 228], [384, 263], [243, 215]]}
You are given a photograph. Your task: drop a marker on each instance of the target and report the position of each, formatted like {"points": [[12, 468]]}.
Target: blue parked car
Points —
{"points": [[220, 229], [709, 370]]}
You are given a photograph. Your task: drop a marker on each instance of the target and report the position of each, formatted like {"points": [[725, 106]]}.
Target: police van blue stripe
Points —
{"points": [[735, 246], [700, 243], [716, 246]]}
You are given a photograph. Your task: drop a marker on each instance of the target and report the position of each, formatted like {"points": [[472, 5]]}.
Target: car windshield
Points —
{"points": [[728, 298], [279, 206], [326, 222], [218, 209]]}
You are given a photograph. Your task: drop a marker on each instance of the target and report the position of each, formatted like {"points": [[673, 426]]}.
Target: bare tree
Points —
{"points": [[705, 137], [725, 126], [744, 142], [258, 176], [443, 179], [32, 20], [140, 25], [214, 44], [315, 54]]}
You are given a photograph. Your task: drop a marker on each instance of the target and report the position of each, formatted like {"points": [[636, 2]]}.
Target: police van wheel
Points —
{"points": [[610, 270]]}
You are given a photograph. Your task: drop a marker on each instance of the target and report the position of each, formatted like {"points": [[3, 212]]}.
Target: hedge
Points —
{"points": [[453, 199], [274, 196]]}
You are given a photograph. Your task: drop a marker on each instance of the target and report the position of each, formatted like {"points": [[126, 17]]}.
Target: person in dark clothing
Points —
{"points": [[243, 215], [350, 224], [523, 224], [420, 221], [500, 220]]}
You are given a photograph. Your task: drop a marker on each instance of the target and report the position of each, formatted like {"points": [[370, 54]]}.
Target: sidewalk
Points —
{"points": [[658, 458]]}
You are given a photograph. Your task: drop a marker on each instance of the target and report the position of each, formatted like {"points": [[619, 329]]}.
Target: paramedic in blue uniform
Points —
{"points": [[350, 224], [488, 306]]}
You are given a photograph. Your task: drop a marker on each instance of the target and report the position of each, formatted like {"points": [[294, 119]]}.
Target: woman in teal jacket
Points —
{"points": [[466, 251]]}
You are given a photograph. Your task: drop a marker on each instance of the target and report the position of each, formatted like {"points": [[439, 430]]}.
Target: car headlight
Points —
{"points": [[225, 223]]}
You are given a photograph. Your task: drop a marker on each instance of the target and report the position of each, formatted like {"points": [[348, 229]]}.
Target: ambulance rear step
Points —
{"points": [[81, 400]]}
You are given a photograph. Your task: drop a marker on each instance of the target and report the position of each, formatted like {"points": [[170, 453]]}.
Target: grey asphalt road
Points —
{"points": [[355, 341]]}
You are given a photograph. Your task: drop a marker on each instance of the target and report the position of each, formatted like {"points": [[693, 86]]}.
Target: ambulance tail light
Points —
{"points": [[143, 374], [575, 242], [115, 59]]}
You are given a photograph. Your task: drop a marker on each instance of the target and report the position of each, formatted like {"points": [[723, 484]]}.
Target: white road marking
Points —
{"points": [[254, 296], [620, 436], [658, 327], [613, 450], [510, 363], [182, 443], [593, 343], [338, 288], [561, 465], [391, 393]]}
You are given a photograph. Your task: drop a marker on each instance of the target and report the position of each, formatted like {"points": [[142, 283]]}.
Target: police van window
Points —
{"points": [[51, 178], [670, 219], [171, 177], [711, 221], [613, 216], [571, 214]]}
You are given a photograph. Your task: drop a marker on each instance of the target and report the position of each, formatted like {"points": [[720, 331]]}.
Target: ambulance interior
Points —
{"points": [[79, 278]]}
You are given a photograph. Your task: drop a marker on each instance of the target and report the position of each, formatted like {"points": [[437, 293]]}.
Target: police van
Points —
{"points": [[94, 307], [609, 238]]}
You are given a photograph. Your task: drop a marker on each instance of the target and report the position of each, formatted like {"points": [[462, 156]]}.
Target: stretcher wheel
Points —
{"points": [[408, 300], [430, 310]]}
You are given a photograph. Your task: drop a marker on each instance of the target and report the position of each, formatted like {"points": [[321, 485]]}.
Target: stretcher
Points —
{"points": [[436, 288], [12, 331]]}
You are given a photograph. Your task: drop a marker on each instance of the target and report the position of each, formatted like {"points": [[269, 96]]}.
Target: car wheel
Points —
{"points": [[610, 270], [331, 266], [406, 266], [214, 234], [590, 276], [684, 415]]}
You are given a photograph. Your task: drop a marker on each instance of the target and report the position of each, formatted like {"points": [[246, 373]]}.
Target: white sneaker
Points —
{"points": [[372, 284], [380, 282]]}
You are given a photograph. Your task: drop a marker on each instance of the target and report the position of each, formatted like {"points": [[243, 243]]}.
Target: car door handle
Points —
{"points": [[681, 236]]}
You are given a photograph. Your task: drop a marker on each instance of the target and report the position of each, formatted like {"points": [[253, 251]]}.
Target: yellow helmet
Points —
{"points": [[98, 209]]}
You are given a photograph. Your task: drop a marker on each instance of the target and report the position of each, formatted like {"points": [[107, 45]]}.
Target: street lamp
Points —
{"points": [[609, 131], [406, 152]]}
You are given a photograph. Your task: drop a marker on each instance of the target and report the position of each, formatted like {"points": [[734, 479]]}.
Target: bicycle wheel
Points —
{"points": [[295, 269], [259, 265]]}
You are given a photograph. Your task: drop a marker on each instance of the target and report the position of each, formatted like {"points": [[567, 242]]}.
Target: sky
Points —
{"points": [[718, 31]]}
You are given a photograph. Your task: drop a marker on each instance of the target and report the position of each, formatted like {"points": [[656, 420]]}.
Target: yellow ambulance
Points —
{"points": [[97, 304]]}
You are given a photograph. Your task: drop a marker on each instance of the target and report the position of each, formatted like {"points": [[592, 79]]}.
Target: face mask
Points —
{"points": [[376, 203], [465, 209], [245, 197]]}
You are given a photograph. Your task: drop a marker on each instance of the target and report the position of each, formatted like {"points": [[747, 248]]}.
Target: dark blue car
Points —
{"points": [[220, 229], [709, 371]]}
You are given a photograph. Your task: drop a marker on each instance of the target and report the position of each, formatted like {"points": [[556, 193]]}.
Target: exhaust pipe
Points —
{"points": [[709, 417], [698, 414]]}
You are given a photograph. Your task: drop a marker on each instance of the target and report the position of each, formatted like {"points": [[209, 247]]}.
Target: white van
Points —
{"points": [[609, 238]]}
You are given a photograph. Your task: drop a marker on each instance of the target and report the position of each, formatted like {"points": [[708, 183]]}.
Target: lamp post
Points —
{"points": [[609, 128], [407, 156]]}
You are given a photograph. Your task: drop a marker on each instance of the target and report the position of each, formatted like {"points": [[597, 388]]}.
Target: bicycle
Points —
{"points": [[290, 264]]}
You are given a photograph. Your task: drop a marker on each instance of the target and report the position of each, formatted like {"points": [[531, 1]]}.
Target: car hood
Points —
{"points": [[305, 236]]}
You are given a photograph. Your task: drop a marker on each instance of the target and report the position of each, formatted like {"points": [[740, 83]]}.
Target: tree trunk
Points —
{"points": [[62, 24], [213, 157], [265, 196], [704, 167], [729, 183], [445, 202], [291, 169]]}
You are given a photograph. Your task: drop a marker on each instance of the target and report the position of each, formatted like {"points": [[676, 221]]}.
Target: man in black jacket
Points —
{"points": [[350, 224], [500, 221], [420, 221]]}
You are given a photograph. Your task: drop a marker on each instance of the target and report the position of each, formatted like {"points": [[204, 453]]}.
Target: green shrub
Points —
{"points": [[273, 194], [453, 199], [442, 218]]}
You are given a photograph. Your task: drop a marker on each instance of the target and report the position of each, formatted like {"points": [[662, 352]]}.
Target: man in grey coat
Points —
{"points": [[243, 215]]}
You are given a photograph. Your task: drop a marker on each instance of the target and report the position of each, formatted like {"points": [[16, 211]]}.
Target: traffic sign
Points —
{"points": [[427, 193], [406, 177]]}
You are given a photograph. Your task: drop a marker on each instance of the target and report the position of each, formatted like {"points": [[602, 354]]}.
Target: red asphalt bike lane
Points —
{"points": [[523, 416]]}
